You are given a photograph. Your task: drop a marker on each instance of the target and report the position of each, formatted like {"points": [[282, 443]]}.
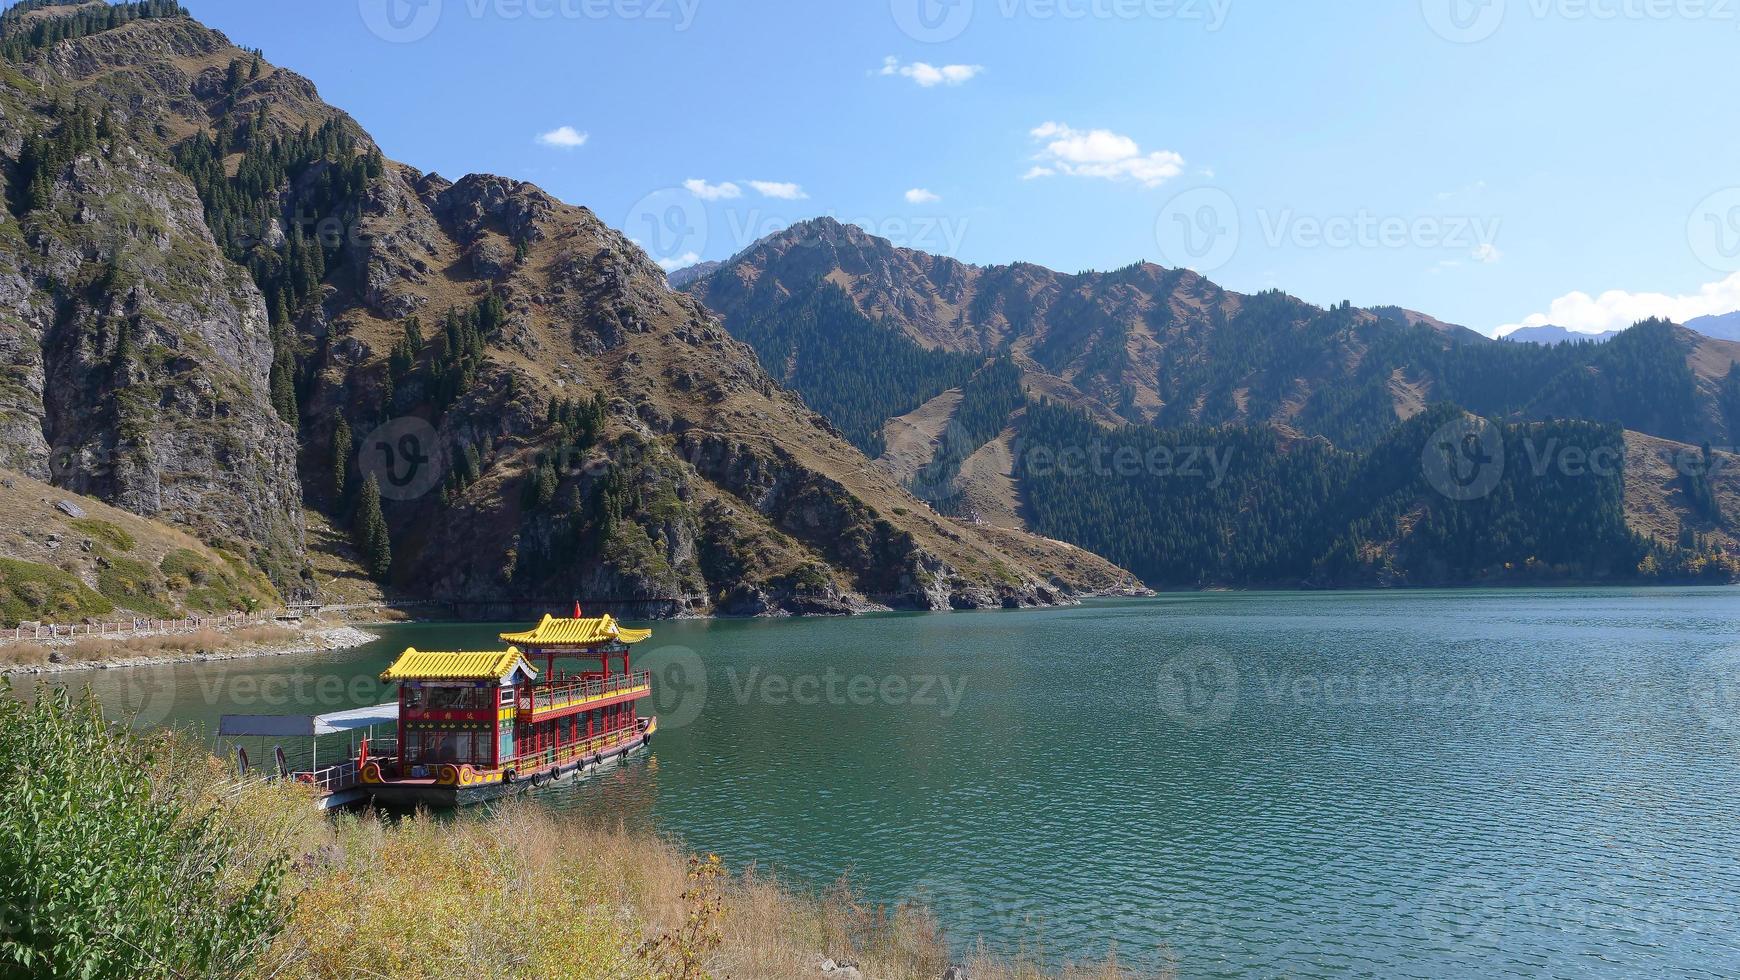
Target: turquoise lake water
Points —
{"points": [[1397, 784]]}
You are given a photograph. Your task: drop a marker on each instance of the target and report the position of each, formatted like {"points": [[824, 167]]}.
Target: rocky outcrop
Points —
{"points": [[139, 359]]}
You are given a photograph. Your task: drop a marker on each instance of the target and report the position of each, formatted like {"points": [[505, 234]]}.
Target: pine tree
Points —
{"points": [[341, 450], [545, 493], [369, 531]]}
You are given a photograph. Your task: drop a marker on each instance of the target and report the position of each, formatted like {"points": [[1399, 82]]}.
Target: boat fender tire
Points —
{"points": [[510, 777]]}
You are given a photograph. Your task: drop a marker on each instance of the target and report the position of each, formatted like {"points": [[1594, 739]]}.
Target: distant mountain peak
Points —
{"points": [[1550, 335]]}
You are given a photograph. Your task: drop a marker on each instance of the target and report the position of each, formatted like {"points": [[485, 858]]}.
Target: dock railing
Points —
{"points": [[551, 697]]}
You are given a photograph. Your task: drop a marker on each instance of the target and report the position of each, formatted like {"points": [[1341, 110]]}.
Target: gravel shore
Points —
{"points": [[307, 641]]}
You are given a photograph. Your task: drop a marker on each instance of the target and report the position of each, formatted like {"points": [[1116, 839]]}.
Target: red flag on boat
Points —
{"points": [[577, 610]]}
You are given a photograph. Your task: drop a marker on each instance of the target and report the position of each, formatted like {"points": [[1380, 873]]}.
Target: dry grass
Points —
{"points": [[93, 650], [24, 654], [528, 893]]}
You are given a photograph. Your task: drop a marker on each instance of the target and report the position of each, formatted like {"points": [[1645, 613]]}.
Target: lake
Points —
{"points": [[1404, 784]]}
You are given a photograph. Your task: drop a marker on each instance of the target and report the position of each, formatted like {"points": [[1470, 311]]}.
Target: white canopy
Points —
{"points": [[307, 726]]}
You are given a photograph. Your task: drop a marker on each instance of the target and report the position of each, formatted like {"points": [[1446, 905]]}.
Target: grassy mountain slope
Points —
{"points": [[109, 564]]}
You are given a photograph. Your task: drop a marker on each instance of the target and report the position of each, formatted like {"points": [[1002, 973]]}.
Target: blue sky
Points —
{"points": [[1483, 161]]}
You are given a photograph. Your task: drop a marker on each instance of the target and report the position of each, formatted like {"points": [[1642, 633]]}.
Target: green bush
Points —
{"points": [[29, 591], [186, 564], [102, 874]]}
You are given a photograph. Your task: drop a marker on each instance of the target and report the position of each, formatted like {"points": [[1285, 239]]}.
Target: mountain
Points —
{"points": [[956, 377], [225, 305], [1149, 345], [1411, 318], [682, 278], [1550, 335], [1723, 327]]}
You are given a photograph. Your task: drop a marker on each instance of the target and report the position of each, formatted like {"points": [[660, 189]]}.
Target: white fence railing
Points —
{"points": [[137, 627]]}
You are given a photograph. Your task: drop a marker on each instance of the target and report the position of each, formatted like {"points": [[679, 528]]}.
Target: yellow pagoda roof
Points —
{"points": [[553, 632], [418, 665]]}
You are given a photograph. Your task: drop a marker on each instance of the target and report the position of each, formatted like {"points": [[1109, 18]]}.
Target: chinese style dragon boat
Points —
{"points": [[475, 726]]}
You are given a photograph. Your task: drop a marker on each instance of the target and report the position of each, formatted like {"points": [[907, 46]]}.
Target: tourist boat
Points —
{"points": [[475, 726]]}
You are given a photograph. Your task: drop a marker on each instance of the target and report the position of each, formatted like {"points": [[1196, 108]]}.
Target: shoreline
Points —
{"points": [[318, 640]]}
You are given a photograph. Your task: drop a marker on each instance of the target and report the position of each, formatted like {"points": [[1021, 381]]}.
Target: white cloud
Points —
{"points": [[564, 138], [778, 191], [1617, 309], [680, 262], [1100, 153], [1488, 253], [713, 192], [930, 76], [919, 195]]}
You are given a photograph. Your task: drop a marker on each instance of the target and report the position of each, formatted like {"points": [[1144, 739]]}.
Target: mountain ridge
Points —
{"points": [[696, 485]]}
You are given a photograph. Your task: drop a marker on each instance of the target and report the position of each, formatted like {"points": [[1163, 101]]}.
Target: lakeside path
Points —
{"points": [[314, 640]]}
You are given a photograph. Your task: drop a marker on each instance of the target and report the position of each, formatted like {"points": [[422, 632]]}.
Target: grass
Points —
{"points": [[106, 532], [24, 654], [209, 588], [97, 650], [133, 584], [146, 841], [31, 592], [531, 894]]}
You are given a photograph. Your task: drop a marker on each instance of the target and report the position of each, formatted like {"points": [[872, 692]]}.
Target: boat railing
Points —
{"points": [[562, 694], [579, 750], [329, 779]]}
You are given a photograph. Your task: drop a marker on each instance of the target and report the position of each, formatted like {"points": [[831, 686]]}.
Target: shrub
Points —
{"points": [[104, 876]]}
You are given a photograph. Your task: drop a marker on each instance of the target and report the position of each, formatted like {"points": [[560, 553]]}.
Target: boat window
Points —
{"points": [[453, 698]]}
